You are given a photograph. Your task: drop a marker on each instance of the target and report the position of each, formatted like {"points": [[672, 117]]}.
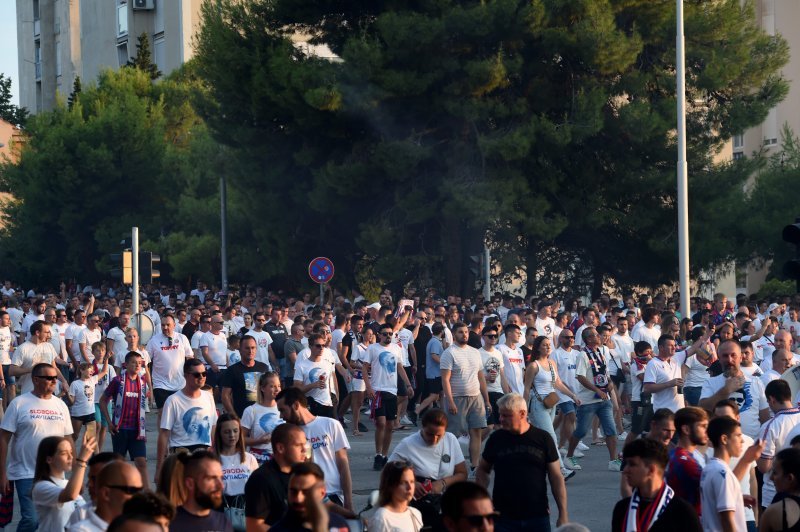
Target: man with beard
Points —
{"points": [[307, 509], [686, 462], [202, 484], [662, 429], [746, 390]]}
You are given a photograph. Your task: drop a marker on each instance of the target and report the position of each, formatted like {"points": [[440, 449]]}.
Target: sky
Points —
{"points": [[8, 44]]}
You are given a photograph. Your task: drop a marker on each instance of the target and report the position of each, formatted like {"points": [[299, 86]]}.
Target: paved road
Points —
{"points": [[592, 492]]}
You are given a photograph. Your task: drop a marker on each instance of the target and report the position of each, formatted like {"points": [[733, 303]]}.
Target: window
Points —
{"points": [[159, 18], [37, 60], [122, 19], [771, 142], [159, 52], [122, 53], [738, 155], [58, 58], [738, 142], [35, 9]]}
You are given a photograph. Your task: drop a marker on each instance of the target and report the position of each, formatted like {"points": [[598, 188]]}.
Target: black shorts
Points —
{"points": [[319, 409], [494, 418], [126, 441], [434, 385], [214, 379], [88, 418], [401, 385], [386, 405], [160, 395], [642, 415]]}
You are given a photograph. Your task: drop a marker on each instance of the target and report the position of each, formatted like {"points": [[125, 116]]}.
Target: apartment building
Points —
{"points": [[61, 39]]}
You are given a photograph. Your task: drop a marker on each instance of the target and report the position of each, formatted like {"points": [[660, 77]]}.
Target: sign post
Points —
{"points": [[321, 271]]}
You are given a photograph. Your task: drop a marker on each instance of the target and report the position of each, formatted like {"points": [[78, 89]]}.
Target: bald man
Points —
{"points": [[117, 482], [783, 340]]}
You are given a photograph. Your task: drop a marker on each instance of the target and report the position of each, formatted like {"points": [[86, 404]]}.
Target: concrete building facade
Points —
{"points": [[61, 39]]}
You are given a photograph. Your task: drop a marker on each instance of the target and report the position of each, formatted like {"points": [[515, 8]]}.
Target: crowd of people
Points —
{"points": [[256, 395]]}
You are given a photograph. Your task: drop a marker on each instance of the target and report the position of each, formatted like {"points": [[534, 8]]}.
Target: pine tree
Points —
{"points": [[9, 112], [143, 59], [76, 90]]}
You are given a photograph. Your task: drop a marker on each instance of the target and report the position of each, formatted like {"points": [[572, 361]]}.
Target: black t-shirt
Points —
{"points": [[474, 340], [421, 342], [678, 515], [291, 524], [266, 493], [527, 353], [213, 522], [350, 339], [243, 382], [520, 467], [189, 329], [279, 336]]}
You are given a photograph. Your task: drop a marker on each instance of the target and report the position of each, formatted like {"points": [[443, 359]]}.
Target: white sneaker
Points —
{"points": [[582, 446], [578, 454], [622, 436], [405, 421], [615, 465], [562, 451], [572, 464], [567, 474]]}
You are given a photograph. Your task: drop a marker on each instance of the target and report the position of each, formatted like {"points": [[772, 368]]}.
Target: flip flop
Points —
{"points": [[356, 433]]}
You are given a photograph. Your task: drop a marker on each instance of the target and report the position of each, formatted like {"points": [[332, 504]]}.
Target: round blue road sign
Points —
{"points": [[320, 270]]}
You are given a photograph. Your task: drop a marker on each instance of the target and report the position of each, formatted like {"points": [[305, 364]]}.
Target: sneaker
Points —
{"points": [[615, 465], [343, 422], [622, 436], [405, 421], [471, 475], [567, 474], [377, 464], [578, 454], [562, 451], [384, 461], [571, 463], [362, 427], [582, 446]]}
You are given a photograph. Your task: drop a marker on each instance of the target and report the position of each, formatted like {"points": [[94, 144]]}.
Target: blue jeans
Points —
{"points": [[542, 418], [539, 524], [692, 395], [29, 521], [604, 413]]}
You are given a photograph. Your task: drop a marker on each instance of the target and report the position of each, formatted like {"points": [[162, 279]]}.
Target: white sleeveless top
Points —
{"points": [[543, 381]]}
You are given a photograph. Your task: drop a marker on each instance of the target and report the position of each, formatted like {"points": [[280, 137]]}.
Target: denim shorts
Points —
{"points": [[586, 413], [567, 407], [125, 442]]}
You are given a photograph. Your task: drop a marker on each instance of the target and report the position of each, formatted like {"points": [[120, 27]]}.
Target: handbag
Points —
{"points": [[235, 513], [619, 376], [552, 398]]}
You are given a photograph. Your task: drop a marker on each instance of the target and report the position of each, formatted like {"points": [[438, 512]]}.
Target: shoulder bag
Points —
{"points": [[552, 398]]}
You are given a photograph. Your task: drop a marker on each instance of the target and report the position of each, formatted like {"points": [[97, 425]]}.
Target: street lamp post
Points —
{"points": [[223, 212], [683, 192]]}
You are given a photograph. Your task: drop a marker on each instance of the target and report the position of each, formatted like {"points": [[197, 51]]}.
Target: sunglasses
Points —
{"points": [[128, 490], [320, 346], [387, 334], [490, 335], [51, 378], [477, 520], [199, 375]]}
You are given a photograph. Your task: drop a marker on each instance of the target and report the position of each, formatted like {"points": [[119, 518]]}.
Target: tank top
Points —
{"points": [[795, 527], [543, 381]]}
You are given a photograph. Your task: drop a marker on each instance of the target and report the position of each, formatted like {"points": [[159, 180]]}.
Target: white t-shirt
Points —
{"points": [[307, 371], [636, 383], [383, 361], [120, 346], [776, 436], [762, 351], [73, 333], [513, 367], [404, 338], [660, 371], [546, 327], [168, 356], [235, 472], [719, 492], [190, 420], [57, 334], [28, 355], [217, 345], [430, 461], [643, 334], [750, 398], [260, 421], [263, 341], [53, 515], [326, 436], [623, 345], [102, 383], [32, 419], [744, 484], [6, 343], [336, 339], [567, 363], [385, 520], [696, 374], [584, 369], [88, 338], [492, 360], [464, 364], [83, 393]]}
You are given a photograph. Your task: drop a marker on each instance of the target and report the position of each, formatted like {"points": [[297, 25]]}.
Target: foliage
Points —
{"points": [[76, 91], [8, 111], [774, 288], [143, 60]]}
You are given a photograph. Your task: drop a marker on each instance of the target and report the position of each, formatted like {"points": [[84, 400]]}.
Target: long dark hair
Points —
{"points": [[390, 479], [537, 344], [218, 435], [47, 449]]}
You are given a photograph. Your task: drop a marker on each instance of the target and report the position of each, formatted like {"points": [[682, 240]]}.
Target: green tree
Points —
{"points": [[10, 112], [76, 91], [143, 60]]}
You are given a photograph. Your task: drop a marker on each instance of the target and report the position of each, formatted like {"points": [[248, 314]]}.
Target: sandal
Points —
{"points": [[356, 433], [598, 442]]}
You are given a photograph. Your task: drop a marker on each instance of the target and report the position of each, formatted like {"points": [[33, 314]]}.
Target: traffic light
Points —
{"points": [[148, 267], [791, 234], [474, 265], [122, 266]]}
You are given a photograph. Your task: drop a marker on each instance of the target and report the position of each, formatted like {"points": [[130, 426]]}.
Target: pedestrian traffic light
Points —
{"points": [[148, 267], [475, 266], [791, 234], [122, 266]]}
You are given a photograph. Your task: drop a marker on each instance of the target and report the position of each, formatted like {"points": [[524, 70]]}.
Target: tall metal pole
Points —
{"points": [[321, 294], [683, 180], [487, 272], [223, 210], [135, 274]]}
